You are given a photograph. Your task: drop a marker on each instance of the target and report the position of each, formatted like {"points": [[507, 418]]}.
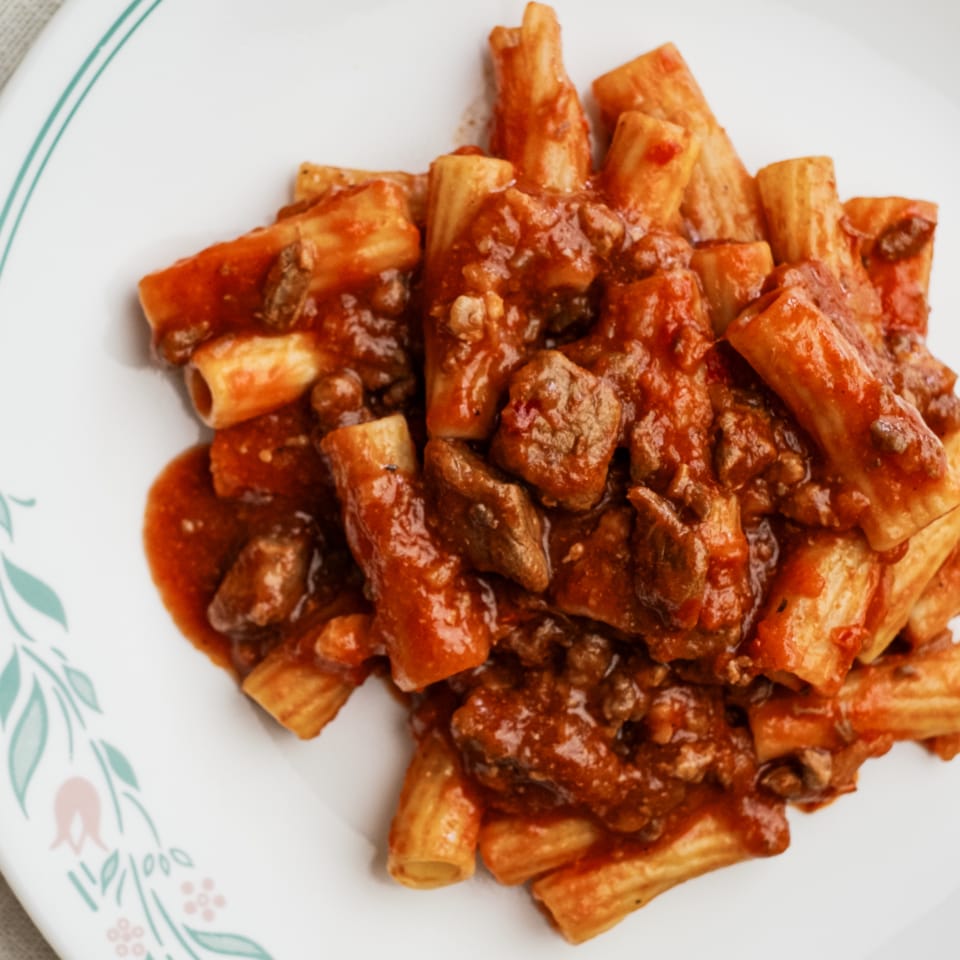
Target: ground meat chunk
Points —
{"points": [[903, 239], [923, 380], [264, 585], [535, 641], [623, 698], [559, 430], [588, 660], [806, 777], [657, 250], [489, 521], [337, 399]]}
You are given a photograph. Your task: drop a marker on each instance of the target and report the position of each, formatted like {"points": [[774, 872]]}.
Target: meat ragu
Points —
{"points": [[640, 484]]}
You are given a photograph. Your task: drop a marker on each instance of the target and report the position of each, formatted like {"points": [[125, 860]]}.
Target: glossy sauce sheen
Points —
{"points": [[569, 712], [192, 537], [621, 690]]}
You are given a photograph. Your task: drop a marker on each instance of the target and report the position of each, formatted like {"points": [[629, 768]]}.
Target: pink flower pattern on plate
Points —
{"points": [[204, 901], [126, 939], [76, 809]]}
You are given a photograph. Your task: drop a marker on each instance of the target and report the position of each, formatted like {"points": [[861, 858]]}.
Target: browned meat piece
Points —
{"points": [[904, 238], [548, 740], [535, 641], [264, 585], [338, 400], [538, 739], [658, 250], [559, 430], [814, 775], [623, 698], [745, 444], [670, 561], [602, 226], [923, 380], [482, 516], [589, 660], [286, 286], [593, 577]]}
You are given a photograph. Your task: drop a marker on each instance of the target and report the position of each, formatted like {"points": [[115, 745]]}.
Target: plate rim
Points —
{"points": [[24, 78]]}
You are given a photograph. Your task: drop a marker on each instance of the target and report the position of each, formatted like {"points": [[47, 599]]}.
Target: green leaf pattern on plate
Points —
{"points": [[181, 857], [120, 765], [109, 870], [9, 687], [46, 700], [228, 944], [27, 744], [82, 686], [44, 744], [35, 592], [6, 521]]}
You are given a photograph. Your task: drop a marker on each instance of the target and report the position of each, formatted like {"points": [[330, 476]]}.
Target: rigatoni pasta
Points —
{"points": [[240, 376], [722, 201], [872, 437], [805, 221], [433, 837], [270, 273], [592, 896], [637, 482], [538, 124], [648, 166]]}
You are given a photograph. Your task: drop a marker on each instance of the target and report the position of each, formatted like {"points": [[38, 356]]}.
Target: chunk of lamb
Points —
{"points": [[264, 585], [482, 516], [539, 742], [559, 430], [670, 561]]}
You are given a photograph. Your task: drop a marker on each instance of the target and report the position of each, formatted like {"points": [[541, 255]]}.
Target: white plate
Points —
{"points": [[145, 804]]}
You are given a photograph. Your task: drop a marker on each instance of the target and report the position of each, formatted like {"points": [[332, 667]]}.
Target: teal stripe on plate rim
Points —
{"points": [[77, 790], [59, 118]]}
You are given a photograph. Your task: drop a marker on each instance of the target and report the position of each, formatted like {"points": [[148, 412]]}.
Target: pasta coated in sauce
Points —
{"points": [[639, 483]]}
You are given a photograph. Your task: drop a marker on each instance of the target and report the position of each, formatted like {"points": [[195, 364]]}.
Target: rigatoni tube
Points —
{"points": [[907, 580], [589, 897], [240, 376], [872, 438], [433, 837], [913, 696], [732, 276], [518, 848], [467, 344], [316, 180], [814, 620], [721, 201], [432, 614], [261, 281], [648, 166], [538, 122], [297, 692]]}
